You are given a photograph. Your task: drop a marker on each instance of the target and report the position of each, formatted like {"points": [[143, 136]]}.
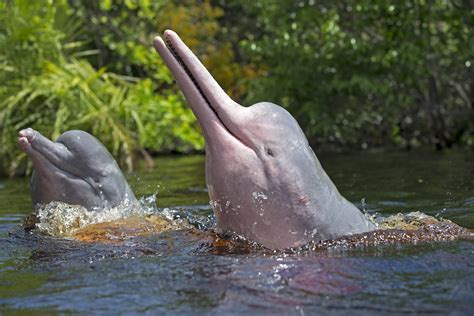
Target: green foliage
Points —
{"points": [[27, 37], [123, 32], [367, 72], [163, 122], [48, 85]]}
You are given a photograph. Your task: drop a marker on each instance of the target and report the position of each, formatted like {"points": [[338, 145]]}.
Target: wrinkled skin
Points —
{"points": [[264, 179], [76, 169]]}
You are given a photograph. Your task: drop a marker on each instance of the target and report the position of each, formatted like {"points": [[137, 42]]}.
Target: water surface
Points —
{"points": [[176, 273]]}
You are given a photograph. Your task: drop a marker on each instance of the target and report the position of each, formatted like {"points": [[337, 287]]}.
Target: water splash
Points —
{"points": [[408, 221], [62, 220], [363, 204], [214, 205], [191, 217], [409, 228]]}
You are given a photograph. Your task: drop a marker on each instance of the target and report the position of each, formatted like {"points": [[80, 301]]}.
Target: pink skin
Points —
{"points": [[24, 137], [264, 180]]}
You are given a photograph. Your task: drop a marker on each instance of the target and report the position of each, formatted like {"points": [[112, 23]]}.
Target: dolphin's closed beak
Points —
{"points": [[33, 142], [214, 109], [25, 138]]}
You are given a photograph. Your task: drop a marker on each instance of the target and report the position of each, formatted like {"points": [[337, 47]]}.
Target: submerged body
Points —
{"points": [[76, 169], [264, 180]]}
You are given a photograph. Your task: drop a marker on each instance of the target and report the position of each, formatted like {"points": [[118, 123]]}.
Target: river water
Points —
{"points": [[176, 272]]}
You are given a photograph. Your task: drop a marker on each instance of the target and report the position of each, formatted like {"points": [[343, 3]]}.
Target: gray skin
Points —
{"points": [[76, 169], [264, 180]]}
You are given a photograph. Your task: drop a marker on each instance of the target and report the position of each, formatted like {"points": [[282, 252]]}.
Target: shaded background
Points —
{"points": [[361, 74]]}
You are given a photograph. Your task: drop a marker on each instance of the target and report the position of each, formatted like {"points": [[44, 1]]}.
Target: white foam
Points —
{"points": [[61, 220]]}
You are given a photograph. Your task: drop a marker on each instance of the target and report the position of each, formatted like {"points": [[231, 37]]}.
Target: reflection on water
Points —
{"points": [[187, 271]]}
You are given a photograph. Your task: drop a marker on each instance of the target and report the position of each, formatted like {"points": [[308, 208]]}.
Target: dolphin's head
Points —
{"points": [[264, 180], [261, 176], [76, 169]]}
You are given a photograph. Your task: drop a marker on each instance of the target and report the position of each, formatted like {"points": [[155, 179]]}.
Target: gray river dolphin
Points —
{"points": [[76, 169], [264, 180]]}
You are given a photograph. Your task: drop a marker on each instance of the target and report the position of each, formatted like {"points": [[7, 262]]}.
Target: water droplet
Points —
{"points": [[259, 196], [363, 204]]}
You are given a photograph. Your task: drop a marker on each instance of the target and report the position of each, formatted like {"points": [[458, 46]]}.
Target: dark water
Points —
{"points": [[173, 273]]}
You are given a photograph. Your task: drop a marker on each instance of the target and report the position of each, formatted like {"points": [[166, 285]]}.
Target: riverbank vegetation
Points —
{"points": [[354, 74]]}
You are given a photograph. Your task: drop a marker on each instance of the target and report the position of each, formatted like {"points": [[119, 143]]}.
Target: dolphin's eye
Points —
{"points": [[269, 152]]}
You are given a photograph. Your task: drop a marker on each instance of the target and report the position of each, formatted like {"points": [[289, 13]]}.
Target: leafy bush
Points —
{"points": [[48, 85], [365, 72]]}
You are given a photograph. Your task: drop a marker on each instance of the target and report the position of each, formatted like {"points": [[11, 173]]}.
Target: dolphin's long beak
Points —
{"points": [[39, 147], [214, 109]]}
